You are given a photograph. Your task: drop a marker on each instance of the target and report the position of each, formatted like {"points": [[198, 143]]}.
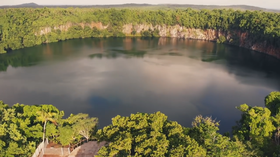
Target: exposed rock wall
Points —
{"points": [[235, 37]]}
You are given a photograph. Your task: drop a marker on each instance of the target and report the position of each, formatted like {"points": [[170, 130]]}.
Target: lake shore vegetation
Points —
{"points": [[26, 27]]}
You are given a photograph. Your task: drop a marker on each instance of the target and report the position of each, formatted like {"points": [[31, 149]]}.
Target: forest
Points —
{"points": [[257, 133], [26, 27]]}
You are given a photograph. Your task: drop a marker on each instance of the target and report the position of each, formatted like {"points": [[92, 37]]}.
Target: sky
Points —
{"points": [[271, 4]]}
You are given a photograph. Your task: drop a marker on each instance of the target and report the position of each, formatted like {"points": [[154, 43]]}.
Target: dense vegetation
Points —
{"points": [[24, 27], [257, 133], [23, 127]]}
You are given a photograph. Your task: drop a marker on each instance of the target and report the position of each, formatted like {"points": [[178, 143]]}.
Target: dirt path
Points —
{"points": [[89, 149]]}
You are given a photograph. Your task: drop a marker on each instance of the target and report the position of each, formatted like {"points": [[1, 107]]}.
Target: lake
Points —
{"points": [[119, 76]]}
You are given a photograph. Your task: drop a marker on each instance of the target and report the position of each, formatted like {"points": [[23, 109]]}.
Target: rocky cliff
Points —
{"points": [[235, 37]]}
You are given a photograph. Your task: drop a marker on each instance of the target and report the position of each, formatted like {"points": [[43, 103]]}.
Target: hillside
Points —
{"points": [[146, 6], [26, 27]]}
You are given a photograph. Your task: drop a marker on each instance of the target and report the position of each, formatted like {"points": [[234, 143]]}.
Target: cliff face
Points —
{"points": [[235, 37]]}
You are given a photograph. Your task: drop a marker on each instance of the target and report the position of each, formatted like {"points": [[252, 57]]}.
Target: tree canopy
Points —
{"points": [[22, 126], [257, 133]]}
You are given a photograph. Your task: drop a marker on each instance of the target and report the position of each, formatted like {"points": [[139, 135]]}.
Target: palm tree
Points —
{"points": [[44, 117]]}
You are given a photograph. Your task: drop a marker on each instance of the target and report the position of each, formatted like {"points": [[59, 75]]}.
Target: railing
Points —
{"points": [[38, 151]]}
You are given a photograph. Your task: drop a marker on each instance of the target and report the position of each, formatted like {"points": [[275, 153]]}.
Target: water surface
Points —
{"points": [[120, 76]]}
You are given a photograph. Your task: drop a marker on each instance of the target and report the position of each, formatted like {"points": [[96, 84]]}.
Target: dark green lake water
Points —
{"points": [[120, 76]]}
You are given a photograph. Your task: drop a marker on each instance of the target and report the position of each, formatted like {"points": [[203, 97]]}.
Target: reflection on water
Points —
{"points": [[107, 77]]}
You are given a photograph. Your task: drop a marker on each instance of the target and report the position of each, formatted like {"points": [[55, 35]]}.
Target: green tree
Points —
{"points": [[83, 124], [272, 102], [144, 134], [204, 131], [256, 126], [66, 135], [48, 113]]}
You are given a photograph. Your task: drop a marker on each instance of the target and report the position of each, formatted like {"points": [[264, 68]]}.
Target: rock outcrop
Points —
{"points": [[235, 37]]}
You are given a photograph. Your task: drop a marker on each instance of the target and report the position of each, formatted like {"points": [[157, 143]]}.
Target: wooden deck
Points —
{"points": [[56, 150], [89, 149]]}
